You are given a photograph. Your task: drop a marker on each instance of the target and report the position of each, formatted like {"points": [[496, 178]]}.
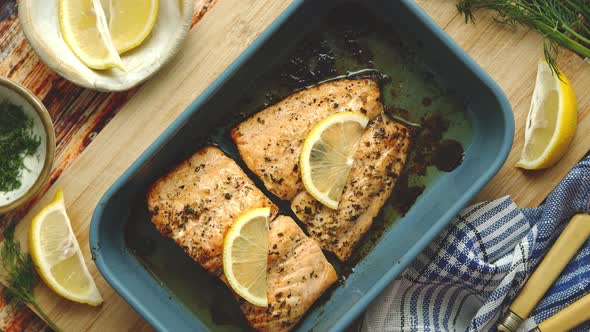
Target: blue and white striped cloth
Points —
{"points": [[469, 275]]}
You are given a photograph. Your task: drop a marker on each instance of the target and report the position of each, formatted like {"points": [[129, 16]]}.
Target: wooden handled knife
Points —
{"points": [[568, 318], [562, 252]]}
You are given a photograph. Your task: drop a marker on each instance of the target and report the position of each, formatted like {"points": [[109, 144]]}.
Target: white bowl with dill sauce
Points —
{"points": [[36, 167]]}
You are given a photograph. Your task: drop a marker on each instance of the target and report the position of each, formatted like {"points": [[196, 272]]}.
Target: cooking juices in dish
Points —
{"points": [[408, 90]]}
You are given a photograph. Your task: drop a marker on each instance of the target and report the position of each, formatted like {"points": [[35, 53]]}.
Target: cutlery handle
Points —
{"points": [[568, 318], [562, 252]]}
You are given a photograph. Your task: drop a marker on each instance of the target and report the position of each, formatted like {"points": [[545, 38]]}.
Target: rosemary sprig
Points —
{"points": [[563, 23], [20, 274]]}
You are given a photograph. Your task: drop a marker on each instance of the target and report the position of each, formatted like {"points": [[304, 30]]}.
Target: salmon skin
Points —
{"points": [[378, 162], [270, 142], [196, 204]]}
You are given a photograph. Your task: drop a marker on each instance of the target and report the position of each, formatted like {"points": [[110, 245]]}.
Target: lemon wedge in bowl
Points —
{"points": [[130, 21], [551, 122], [57, 255], [245, 254], [84, 29], [327, 155]]}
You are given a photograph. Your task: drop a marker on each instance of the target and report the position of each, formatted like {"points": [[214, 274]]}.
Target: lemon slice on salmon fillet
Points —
{"points": [[57, 255], [327, 155], [551, 122], [245, 254]]}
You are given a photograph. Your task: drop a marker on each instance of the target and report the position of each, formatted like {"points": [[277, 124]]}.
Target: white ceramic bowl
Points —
{"points": [[40, 23], [38, 166]]}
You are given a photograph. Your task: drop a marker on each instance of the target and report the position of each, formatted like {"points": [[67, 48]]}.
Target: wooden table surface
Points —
{"points": [[135, 119]]}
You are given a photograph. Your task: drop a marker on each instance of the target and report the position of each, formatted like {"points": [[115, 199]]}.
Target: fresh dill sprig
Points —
{"points": [[19, 274], [563, 23], [17, 141]]}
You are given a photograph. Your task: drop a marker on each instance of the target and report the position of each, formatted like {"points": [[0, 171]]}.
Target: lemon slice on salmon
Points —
{"points": [[327, 155], [57, 255], [245, 254], [551, 122]]}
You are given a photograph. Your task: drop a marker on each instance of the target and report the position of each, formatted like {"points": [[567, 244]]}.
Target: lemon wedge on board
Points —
{"points": [[245, 254], [57, 256], [327, 155], [551, 122], [84, 29], [130, 21]]}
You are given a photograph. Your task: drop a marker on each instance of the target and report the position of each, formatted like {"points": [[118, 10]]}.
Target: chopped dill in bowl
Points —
{"points": [[17, 141]]}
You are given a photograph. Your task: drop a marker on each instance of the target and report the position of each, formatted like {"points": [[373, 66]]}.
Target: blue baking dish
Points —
{"points": [[157, 298]]}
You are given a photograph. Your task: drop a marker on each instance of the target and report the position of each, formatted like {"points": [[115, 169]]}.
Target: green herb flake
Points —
{"points": [[19, 274], [17, 141]]}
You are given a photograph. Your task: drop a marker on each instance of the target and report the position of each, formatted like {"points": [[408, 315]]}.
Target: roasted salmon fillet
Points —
{"points": [[197, 202], [298, 273], [270, 141], [377, 164]]}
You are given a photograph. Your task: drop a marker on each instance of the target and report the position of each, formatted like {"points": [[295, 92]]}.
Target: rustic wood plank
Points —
{"points": [[510, 55], [441, 13], [78, 115]]}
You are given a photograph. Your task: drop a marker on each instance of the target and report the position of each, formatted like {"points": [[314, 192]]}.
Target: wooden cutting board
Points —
{"points": [[509, 54]]}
